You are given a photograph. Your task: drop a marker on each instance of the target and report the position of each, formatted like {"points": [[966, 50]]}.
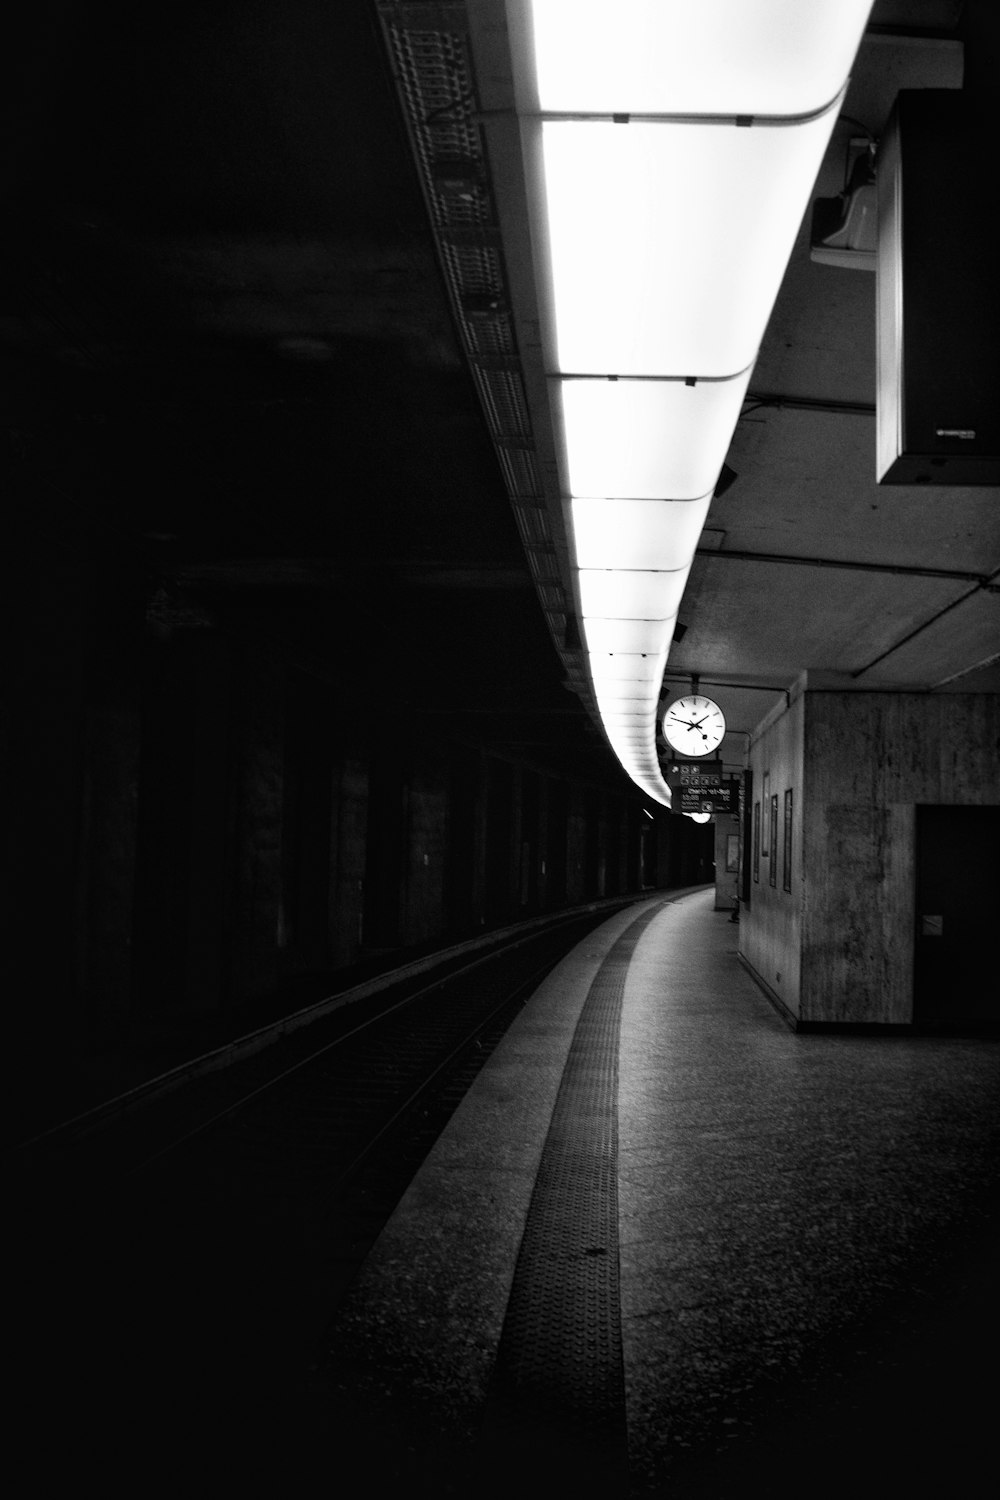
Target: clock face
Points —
{"points": [[694, 725]]}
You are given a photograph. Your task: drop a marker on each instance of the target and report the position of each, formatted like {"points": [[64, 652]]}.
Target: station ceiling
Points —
{"points": [[231, 360]]}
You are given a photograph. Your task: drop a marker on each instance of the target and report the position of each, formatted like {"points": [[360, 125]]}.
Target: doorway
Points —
{"points": [[957, 905]]}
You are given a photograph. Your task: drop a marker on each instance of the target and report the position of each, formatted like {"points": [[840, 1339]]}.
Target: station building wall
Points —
{"points": [[838, 946], [771, 920]]}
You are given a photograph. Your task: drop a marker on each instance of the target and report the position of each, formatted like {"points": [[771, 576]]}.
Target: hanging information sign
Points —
{"points": [[704, 789]]}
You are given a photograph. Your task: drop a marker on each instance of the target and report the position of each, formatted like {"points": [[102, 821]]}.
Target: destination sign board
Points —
{"points": [[701, 788]]}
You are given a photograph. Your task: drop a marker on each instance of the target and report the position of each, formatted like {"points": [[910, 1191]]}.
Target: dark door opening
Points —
{"points": [[958, 901]]}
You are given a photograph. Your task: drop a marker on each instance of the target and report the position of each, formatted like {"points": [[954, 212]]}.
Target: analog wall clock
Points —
{"points": [[693, 725]]}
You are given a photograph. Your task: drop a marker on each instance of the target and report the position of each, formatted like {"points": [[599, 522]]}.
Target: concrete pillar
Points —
{"points": [[180, 942], [42, 734], [576, 847], [426, 834], [106, 871], [257, 918], [349, 851]]}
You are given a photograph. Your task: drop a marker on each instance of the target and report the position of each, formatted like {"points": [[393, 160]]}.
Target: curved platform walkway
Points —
{"points": [[666, 1246]]}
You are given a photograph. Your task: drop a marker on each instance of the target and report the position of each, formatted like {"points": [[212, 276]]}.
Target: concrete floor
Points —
{"points": [[807, 1234]]}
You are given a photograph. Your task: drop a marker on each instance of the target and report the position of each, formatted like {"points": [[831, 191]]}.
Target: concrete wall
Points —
{"points": [[838, 946], [771, 922], [870, 759]]}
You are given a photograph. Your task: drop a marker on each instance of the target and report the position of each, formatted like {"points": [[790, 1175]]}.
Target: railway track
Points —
{"points": [[203, 1243]]}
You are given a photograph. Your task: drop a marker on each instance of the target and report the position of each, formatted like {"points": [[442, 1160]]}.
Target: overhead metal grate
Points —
{"points": [[428, 47]]}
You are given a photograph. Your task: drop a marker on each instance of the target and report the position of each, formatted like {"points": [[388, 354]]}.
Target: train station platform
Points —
{"points": [[668, 1247]]}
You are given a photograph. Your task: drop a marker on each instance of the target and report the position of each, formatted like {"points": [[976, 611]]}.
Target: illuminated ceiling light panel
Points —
{"points": [[626, 714], [634, 735], [700, 57], [660, 244], [642, 737], [659, 534], [648, 439], [618, 667], [638, 751], [608, 703], [619, 690], [607, 688], [627, 725], [668, 242], [629, 635], [636, 595], [636, 748]]}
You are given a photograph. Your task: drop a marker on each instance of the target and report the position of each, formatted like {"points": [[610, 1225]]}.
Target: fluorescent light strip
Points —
{"points": [[746, 57], [607, 705], [629, 635], [669, 241], [659, 249], [645, 534], [648, 439], [635, 734], [625, 696], [641, 594], [621, 666]]}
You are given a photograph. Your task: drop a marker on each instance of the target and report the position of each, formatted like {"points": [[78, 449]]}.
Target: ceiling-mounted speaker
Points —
{"points": [[938, 295]]}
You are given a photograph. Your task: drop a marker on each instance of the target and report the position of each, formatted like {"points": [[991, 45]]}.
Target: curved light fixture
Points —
{"points": [[646, 439], [661, 56], [670, 150], [684, 228]]}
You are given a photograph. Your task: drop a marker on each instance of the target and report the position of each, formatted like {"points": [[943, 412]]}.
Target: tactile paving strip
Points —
{"points": [[558, 1384]]}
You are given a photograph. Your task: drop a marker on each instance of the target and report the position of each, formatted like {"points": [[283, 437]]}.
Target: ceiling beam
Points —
{"points": [[937, 615], [756, 399], [738, 554]]}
